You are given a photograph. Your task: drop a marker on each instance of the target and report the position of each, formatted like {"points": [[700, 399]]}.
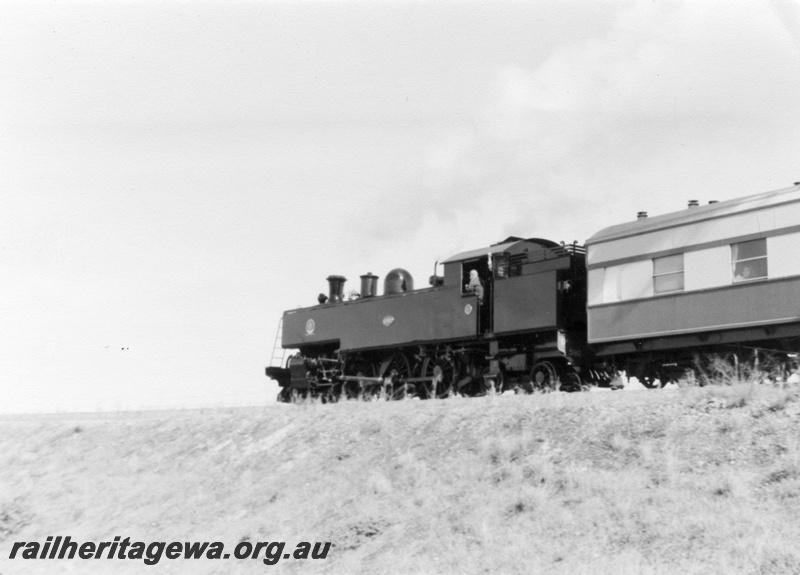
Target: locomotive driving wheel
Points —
{"points": [[444, 371], [544, 376], [397, 368], [358, 367]]}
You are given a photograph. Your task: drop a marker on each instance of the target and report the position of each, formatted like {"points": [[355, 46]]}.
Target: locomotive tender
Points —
{"points": [[646, 296]]}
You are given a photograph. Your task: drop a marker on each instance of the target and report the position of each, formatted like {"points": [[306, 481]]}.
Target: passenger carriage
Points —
{"points": [[719, 277]]}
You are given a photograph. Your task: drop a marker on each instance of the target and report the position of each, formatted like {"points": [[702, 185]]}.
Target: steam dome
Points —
{"points": [[398, 281]]}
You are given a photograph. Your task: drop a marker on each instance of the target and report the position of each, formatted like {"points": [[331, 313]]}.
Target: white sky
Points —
{"points": [[175, 175]]}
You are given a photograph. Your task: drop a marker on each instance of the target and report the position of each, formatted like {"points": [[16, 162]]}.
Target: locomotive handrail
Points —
{"points": [[511, 265]]}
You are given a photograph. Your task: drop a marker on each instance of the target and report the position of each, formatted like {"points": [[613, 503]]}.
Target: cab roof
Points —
{"points": [[503, 246], [699, 213]]}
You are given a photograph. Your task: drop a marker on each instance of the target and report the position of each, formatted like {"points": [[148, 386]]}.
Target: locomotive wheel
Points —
{"points": [[285, 395], [445, 371], [494, 384], [524, 386], [571, 381], [357, 367], [330, 395], [544, 377], [397, 368]]}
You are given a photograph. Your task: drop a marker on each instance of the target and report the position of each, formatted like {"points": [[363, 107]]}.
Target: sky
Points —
{"points": [[174, 175]]}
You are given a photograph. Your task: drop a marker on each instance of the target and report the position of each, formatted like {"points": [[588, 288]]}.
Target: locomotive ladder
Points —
{"points": [[278, 353]]}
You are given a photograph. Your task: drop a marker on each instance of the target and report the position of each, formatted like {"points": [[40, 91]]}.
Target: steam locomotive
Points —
{"points": [[647, 297]]}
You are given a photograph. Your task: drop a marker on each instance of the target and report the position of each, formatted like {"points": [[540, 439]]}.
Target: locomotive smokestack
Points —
{"points": [[336, 288], [693, 203], [641, 215], [369, 285]]}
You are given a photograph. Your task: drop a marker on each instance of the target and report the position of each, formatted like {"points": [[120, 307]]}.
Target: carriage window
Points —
{"points": [[668, 274], [749, 260]]}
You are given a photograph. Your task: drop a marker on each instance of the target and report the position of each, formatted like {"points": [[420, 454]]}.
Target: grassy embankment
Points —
{"points": [[697, 480]]}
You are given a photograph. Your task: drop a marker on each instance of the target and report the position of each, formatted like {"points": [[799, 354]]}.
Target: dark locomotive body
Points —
{"points": [[648, 297], [528, 330]]}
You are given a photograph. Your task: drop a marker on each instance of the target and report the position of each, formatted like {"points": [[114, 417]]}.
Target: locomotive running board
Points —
{"points": [[381, 379], [360, 379]]}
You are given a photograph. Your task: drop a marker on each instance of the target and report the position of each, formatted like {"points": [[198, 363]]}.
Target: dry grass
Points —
{"points": [[698, 480]]}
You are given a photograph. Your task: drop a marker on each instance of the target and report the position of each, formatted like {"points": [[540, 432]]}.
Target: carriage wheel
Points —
{"points": [[444, 370], [651, 381], [544, 377], [646, 372]]}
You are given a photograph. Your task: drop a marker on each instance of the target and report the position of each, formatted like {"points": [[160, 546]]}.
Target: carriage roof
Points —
{"points": [[698, 214]]}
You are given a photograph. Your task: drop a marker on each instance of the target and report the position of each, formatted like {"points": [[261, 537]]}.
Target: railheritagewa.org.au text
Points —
{"points": [[63, 547]]}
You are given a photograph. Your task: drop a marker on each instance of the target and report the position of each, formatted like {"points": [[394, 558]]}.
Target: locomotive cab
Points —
{"points": [[533, 316], [529, 285]]}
